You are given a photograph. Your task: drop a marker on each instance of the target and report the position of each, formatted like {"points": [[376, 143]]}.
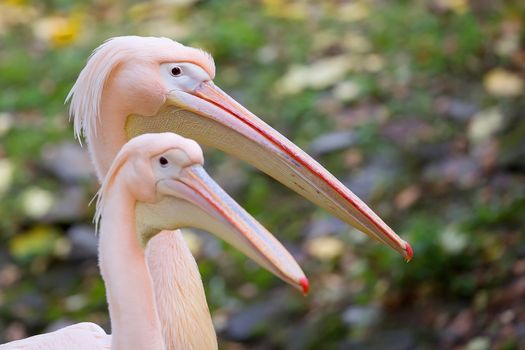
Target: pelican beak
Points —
{"points": [[211, 117], [193, 199]]}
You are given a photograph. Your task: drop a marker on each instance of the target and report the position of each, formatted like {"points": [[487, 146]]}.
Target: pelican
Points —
{"points": [[133, 85], [156, 183]]}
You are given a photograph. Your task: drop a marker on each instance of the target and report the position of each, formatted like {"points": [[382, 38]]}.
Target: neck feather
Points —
{"points": [[129, 286], [152, 294], [182, 306], [105, 142]]}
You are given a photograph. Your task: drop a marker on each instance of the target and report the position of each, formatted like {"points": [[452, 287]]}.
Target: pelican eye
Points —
{"points": [[163, 161], [176, 71]]}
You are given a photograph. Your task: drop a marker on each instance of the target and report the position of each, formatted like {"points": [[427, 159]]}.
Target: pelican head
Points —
{"points": [[164, 175], [134, 85]]}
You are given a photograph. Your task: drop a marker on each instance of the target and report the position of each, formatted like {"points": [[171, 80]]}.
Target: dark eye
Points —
{"points": [[163, 161], [176, 71]]}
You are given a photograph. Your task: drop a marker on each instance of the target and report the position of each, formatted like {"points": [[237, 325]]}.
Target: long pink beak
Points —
{"points": [[211, 117], [193, 199]]}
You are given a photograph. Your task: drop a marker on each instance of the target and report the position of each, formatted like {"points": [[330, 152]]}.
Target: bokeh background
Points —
{"points": [[418, 106]]}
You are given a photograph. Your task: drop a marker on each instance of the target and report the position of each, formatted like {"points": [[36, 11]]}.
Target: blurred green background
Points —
{"points": [[418, 106]]}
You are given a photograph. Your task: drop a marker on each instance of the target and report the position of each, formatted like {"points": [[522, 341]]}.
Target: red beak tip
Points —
{"points": [[305, 285], [409, 251]]}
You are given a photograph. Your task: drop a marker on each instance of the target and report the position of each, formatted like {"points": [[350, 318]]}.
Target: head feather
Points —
{"points": [[86, 95], [147, 146]]}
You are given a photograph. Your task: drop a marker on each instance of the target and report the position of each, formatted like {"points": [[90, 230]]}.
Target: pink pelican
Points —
{"points": [[156, 183], [133, 85]]}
